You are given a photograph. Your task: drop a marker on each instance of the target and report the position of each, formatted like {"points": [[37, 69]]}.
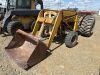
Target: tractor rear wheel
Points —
{"points": [[71, 39], [87, 25], [13, 26]]}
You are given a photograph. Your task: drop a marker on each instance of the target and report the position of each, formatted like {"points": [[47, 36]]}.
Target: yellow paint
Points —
{"points": [[24, 20], [76, 24], [33, 5]]}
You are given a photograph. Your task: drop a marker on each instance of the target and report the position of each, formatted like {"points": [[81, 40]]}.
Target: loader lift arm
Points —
{"points": [[48, 20]]}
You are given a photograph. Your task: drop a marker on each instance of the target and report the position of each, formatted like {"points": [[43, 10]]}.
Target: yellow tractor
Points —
{"points": [[29, 49], [20, 14]]}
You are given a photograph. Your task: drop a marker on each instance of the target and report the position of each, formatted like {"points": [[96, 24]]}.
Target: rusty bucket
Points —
{"points": [[26, 50]]}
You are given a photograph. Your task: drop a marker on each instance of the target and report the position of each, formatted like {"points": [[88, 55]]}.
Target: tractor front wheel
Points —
{"points": [[71, 39]]}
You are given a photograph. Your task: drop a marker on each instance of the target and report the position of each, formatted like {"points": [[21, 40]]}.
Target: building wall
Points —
{"points": [[99, 12]]}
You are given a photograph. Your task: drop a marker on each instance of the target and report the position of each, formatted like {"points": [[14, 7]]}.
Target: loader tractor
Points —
{"points": [[20, 14], [28, 49]]}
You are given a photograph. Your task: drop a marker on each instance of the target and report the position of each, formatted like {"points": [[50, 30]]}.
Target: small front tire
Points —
{"points": [[71, 39]]}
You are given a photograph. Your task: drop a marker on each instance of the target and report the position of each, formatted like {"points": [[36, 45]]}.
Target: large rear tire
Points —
{"points": [[87, 25], [71, 39], [13, 26]]}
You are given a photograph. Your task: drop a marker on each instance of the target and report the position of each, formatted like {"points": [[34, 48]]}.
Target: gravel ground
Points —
{"points": [[84, 59]]}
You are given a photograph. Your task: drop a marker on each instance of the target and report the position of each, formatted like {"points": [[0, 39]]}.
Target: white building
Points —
{"points": [[99, 12]]}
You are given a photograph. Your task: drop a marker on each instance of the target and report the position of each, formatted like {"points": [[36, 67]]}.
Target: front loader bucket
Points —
{"points": [[26, 50]]}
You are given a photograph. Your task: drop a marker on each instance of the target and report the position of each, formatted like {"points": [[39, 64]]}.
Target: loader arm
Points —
{"points": [[76, 23], [55, 28], [55, 23]]}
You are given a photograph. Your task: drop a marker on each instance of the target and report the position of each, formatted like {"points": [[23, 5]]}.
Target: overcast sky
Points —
{"points": [[81, 4], [63, 4]]}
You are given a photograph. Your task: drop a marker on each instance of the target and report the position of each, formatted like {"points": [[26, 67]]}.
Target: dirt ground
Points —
{"points": [[84, 59]]}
